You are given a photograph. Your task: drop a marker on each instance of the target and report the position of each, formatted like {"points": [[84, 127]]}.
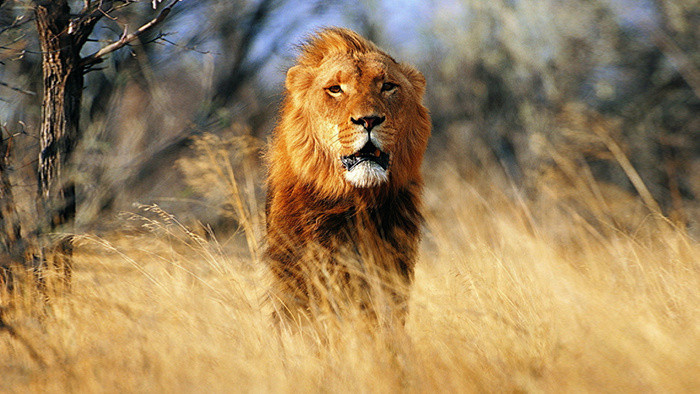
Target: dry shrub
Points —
{"points": [[222, 172]]}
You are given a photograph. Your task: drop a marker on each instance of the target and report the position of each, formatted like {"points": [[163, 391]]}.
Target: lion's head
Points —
{"points": [[353, 117]]}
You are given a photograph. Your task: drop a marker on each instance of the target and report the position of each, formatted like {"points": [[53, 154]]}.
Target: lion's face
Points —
{"points": [[363, 112], [353, 117], [361, 101]]}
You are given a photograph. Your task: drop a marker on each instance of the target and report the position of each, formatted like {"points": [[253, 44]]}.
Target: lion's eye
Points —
{"points": [[334, 90], [388, 86]]}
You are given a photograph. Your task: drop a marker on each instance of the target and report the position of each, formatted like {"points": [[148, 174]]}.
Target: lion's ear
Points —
{"points": [[298, 79], [415, 77]]}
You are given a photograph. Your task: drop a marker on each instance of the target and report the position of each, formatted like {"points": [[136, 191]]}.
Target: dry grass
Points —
{"points": [[509, 296]]}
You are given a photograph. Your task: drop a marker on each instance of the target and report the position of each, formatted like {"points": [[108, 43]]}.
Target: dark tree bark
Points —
{"points": [[12, 246], [63, 85], [61, 37]]}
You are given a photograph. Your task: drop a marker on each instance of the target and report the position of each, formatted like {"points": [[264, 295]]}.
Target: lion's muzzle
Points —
{"points": [[369, 153], [366, 167]]}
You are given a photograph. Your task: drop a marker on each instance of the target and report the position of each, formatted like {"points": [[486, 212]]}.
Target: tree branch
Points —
{"points": [[82, 27], [16, 89], [127, 38]]}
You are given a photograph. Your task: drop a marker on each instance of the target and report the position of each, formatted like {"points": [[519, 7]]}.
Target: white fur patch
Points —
{"points": [[367, 174]]}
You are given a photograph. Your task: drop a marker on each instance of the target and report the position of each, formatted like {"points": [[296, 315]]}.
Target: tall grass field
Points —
{"points": [[582, 289]]}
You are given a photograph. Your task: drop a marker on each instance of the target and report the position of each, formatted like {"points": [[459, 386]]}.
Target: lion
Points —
{"points": [[344, 182]]}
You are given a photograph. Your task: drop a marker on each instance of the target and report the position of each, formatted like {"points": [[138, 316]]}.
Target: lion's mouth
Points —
{"points": [[369, 152]]}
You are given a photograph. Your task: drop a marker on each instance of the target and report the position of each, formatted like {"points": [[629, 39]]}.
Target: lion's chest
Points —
{"points": [[301, 224]]}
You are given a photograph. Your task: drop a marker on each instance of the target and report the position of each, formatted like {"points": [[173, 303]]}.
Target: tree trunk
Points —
{"points": [[63, 89], [11, 244], [61, 39]]}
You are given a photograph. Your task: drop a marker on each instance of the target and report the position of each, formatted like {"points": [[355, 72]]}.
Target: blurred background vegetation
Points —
{"points": [[534, 94]]}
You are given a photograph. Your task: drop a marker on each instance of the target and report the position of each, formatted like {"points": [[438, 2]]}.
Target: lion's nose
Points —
{"points": [[368, 122]]}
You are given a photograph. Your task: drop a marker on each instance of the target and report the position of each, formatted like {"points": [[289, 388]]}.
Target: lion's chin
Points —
{"points": [[367, 174]]}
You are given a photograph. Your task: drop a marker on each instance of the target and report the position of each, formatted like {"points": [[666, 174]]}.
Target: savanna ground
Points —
{"points": [[580, 289]]}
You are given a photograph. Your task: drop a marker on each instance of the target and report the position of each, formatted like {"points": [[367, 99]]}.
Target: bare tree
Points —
{"points": [[62, 35]]}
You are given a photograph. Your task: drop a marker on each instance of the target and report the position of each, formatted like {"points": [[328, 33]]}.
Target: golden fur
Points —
{"points": [[345, 99]]}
